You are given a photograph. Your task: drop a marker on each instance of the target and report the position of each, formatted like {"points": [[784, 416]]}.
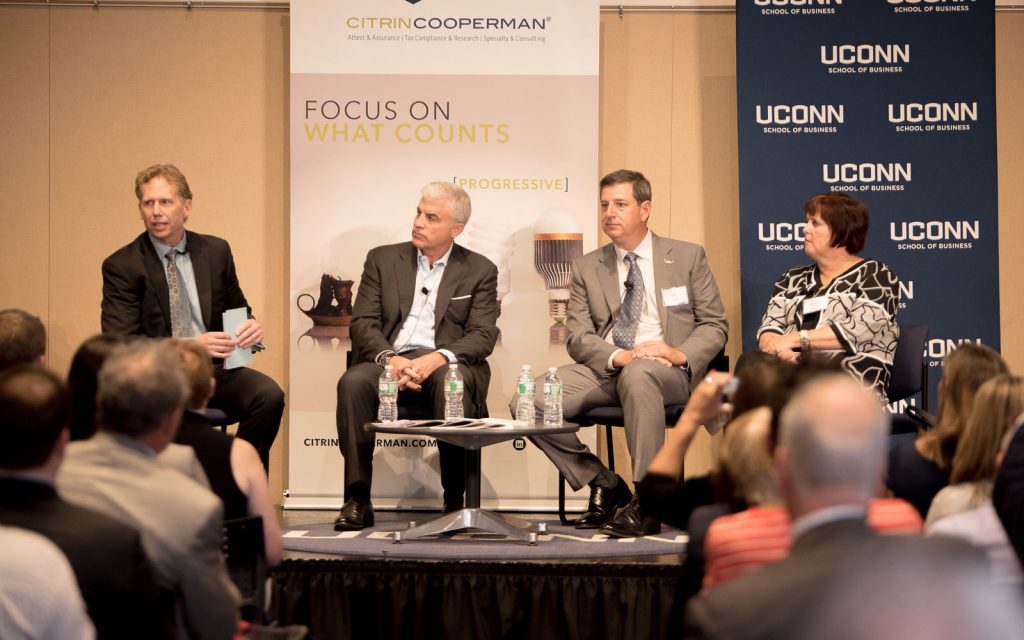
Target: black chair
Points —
{"points": [[246, 558], [909, 376], [612, 416], [219, 418]]}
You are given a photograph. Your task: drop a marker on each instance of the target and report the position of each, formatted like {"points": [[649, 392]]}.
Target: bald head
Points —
{"points": [[832, 444]]}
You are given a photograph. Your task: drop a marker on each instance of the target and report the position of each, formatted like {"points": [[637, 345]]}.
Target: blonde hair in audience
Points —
{"points": [[746, 457], [198, 370], [964, 371], [996, 407]]}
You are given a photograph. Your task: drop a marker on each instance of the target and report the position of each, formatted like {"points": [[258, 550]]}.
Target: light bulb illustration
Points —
{"points": [[557, 241], [493, 238]]}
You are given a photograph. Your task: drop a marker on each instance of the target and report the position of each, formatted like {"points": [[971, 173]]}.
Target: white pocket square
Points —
{"points": [[469, 295]]}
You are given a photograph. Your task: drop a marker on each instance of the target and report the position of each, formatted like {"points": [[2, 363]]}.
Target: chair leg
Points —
{"points": [[611, 447], [561, 500]]}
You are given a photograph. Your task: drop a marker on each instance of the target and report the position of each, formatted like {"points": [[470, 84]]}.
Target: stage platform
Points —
{"points": [[359, 596]]}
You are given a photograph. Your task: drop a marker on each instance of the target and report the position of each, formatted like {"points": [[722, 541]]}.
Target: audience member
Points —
{"points": [[918, 469], [981, 526], [829, 461], [231, 464], [107, 557], [996, 407], [22, 338], [1008, 492], [82, 376], [934, 591], [39, 599], [737, 543], [141, 395], [635, 342]]}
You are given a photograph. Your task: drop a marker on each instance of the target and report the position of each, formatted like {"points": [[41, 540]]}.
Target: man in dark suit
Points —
{"points": [[106, 555], [829, 461], [168, 282], [645, 319], [420, 306]]}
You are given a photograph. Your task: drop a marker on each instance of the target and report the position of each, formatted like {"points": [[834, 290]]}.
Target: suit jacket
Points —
{"points": [[112, 571], [135, 298], [465, 313], [698, 327], [1008, 493], [780, 601], [179, 520]]}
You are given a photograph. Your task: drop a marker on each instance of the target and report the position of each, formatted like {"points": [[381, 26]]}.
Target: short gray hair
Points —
{"points": [[140, 385], [456, 197], [834, 433]]}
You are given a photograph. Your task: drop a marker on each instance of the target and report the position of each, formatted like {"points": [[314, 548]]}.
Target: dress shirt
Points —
{"points": [[417, 330], [188, 278], [648, 327], [815, 519]]}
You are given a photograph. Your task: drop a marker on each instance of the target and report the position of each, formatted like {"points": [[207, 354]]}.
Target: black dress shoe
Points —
{"points": [[355, 515], [602, 505], [630, 522]]}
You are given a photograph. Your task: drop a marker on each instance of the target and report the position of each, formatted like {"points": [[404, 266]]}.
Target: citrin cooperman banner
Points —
{"points": [[893, 102], [386, 96]]}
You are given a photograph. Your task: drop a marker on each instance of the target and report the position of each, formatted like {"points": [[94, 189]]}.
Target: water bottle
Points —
{"points": [[387, 393], [453, 394], [527, 389], [552, 399]]}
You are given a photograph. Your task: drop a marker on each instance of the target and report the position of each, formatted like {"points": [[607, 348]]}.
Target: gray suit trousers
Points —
{"points": [[642, 388]]}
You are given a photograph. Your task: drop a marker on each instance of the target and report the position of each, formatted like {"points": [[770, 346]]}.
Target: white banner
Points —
{"points": [[386, 96]]}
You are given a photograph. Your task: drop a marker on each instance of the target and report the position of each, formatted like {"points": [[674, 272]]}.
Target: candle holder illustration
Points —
{"points": [[334, 307], [557, 241]]}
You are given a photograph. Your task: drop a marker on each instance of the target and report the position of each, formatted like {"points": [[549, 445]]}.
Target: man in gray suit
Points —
{"points": [[142, 393], [645, 319], [420, 306]]}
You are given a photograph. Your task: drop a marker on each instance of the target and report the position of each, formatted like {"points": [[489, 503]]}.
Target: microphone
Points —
{"points": [[628, 285], [425, 291]]}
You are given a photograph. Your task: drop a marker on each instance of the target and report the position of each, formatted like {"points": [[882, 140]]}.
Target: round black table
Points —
{"points": [[471, 435]]}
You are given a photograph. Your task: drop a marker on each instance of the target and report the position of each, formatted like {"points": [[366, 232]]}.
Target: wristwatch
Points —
{"points": [[805, 341], [384, 357]]}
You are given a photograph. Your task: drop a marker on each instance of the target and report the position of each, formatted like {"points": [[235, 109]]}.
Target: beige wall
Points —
{"points": [[89, 96]]}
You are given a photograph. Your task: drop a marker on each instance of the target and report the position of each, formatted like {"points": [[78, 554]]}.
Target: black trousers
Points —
{"points": [[253, 399], [357, 405]]}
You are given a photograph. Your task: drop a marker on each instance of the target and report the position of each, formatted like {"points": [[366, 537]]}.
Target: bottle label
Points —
{"points": [[387, 388], [552, 389], [453, 386], [527, 388]]}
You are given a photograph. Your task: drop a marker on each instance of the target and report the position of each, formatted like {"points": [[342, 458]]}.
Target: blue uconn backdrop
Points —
{"points": [[893, 102]]}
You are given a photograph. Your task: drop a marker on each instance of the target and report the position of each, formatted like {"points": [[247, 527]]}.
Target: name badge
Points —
{"points": [[814, 305], [674, 296]]}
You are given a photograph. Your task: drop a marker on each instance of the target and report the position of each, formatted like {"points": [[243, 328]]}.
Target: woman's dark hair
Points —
{"points": [[82, 377], [847, 217]]}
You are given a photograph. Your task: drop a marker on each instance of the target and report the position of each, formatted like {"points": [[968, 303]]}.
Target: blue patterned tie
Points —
{"points": [[181, 309], [624, 333]]}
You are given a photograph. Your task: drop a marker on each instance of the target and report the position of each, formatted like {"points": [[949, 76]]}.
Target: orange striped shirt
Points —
{"points": [[741, 542]]}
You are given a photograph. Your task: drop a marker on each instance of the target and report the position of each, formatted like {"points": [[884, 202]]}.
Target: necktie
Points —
{"points": [[181, 310], [624, 333]]}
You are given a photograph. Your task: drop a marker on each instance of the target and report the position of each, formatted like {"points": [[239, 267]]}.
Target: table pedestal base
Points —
{"points": [[474, 518]]}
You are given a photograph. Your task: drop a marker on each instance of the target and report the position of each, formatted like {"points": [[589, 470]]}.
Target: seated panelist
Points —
{"points": [[169, 282], [420, 305], [842, 306]]}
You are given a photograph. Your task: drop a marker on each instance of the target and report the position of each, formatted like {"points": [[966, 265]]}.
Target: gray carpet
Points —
{"points": [[558, 542]]}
